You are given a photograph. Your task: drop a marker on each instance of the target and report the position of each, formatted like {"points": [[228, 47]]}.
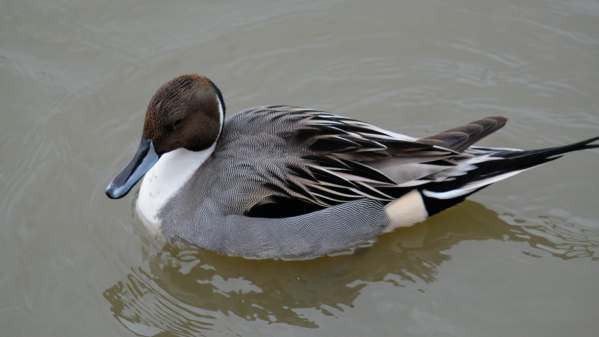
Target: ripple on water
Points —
{"points": [[188, 292]]}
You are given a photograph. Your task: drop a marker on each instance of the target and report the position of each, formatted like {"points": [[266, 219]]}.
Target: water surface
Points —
{"points": [[520, 259]]}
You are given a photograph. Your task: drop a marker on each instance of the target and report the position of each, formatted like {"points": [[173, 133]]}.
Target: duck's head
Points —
{"points": [[186, 112]]}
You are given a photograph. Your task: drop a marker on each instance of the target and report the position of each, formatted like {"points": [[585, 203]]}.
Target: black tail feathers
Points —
{"points": [[441, 195], [518, 160]]}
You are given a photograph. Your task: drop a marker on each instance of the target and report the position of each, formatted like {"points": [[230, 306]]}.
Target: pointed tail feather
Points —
{"points": [[501, 165], [513, 161], [550, 152]]}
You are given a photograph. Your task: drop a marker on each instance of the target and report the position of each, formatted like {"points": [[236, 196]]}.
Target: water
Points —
{"points": [[520, 259]]}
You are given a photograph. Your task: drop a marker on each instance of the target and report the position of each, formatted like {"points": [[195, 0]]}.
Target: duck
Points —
{"points": [[287, 182]]}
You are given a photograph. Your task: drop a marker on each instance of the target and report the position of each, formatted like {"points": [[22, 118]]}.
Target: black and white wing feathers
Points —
{"points": [[339, 159], [343, 159]]}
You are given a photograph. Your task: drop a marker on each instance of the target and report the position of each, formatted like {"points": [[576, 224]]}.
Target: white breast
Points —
{"points": [[164, 179]]}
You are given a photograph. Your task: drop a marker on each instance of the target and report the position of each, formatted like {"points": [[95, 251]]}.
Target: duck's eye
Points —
{"points": [[177, 124]]}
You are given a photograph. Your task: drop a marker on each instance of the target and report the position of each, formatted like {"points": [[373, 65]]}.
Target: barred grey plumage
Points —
{"points": [[325, 232]]}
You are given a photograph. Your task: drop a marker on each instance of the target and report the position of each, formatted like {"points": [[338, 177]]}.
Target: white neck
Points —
{"points": [[164, 179], [168, 176]]}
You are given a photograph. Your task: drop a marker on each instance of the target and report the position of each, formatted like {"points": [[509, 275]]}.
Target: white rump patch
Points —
{"points": [[406, 211]]}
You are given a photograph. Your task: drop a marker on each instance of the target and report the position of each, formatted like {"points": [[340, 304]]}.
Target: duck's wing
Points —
{"points": [[343, 159]]}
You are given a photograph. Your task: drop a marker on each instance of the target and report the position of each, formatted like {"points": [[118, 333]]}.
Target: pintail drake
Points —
{"points": [[294, 183]]}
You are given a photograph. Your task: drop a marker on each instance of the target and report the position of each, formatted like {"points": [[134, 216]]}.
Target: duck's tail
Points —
{"points": [[498, 165]]}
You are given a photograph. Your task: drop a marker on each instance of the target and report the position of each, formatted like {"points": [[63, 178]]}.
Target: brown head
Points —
{"points": [[186, 112]]}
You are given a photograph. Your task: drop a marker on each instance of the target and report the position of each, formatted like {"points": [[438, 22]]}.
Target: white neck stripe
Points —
{"points": [[221, 113]]}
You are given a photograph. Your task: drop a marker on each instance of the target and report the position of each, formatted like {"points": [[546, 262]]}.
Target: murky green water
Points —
{"points": [[521, 259]]}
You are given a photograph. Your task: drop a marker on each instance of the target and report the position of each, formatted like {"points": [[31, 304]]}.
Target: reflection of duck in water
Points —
{"points": [[289, 182], [186, 288]]}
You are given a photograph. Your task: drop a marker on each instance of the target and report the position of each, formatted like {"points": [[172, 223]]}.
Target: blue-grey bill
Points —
{"points": [[142, 162]]}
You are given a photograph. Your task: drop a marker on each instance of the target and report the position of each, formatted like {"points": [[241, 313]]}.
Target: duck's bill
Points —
{"points": [[142, 162]]}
